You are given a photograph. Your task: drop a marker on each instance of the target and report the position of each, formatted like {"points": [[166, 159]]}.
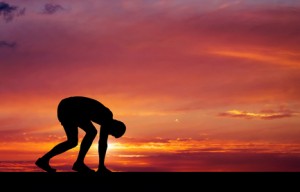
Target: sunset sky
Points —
{"points": [[202, 85]]}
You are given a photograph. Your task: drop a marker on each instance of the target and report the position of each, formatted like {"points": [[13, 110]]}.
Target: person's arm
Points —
{"points": [[102, 149]]}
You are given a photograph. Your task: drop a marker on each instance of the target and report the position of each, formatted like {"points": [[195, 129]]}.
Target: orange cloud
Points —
{"points": [[160, 154], [265, 114], [284, 58]]}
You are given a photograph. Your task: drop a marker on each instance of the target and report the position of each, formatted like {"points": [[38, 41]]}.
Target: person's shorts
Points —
{"points": [[68, 116]]}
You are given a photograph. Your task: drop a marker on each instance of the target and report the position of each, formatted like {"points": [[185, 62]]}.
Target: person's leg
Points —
{"points": [[86, 143], [71, 142]]}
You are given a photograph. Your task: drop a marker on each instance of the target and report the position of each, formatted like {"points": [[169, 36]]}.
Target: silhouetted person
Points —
{"points": [[77, 111]]}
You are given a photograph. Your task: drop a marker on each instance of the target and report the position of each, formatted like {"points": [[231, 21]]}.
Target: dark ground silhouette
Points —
{"points": [[151, 181], [79, 112]]}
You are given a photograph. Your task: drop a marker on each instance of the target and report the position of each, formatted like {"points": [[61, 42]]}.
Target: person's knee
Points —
{"points": [[92, 133], [72, 143]]}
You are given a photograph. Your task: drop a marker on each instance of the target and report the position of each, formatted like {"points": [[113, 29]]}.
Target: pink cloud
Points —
{"points": [[173, 57]]}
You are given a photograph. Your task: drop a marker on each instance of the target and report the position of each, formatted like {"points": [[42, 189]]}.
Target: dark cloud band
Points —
{"points": [[6, 44], [10, 11], [52, 8]]}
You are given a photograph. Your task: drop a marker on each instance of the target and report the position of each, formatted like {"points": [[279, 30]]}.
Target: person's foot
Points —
{"points": [[103, 170], [82, 168], [44, 164]]}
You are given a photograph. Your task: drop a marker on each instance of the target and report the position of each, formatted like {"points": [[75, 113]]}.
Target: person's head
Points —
{"points": [[117, 128]]}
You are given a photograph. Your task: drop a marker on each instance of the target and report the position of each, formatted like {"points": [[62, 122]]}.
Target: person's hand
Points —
{"points": [[103, 170]]}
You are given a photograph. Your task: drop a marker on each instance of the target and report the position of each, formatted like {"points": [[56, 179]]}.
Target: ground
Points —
{"points": [[135, 181]]}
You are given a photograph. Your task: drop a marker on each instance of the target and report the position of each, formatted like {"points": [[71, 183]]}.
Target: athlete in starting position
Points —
{"points": [[78, 111]]}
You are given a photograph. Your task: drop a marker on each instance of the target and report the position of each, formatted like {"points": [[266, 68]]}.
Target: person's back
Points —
{"points": [[79, 109]]}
